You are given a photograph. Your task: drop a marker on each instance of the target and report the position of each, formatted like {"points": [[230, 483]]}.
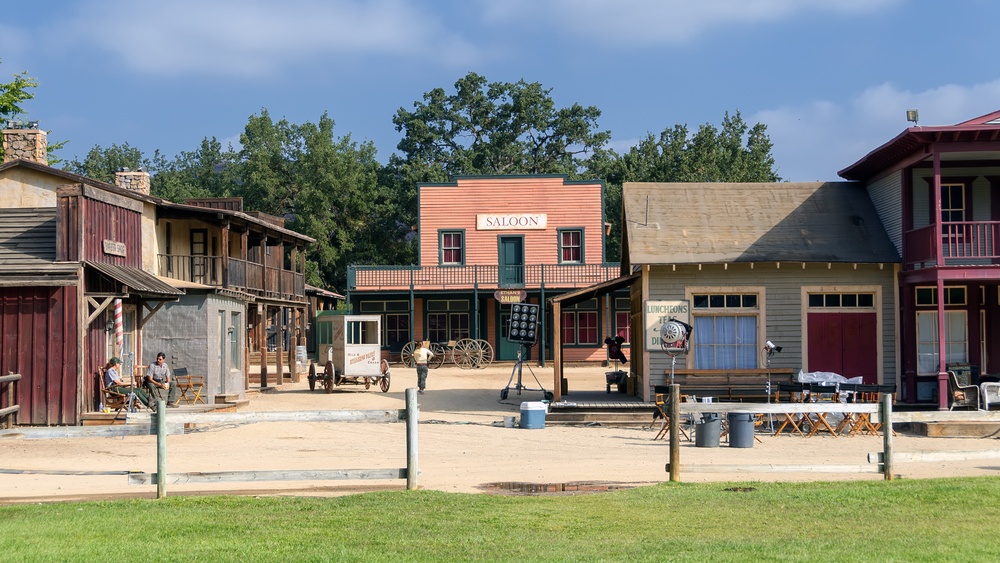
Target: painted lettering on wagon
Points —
{"points": [[512, 221], [369, 357]]}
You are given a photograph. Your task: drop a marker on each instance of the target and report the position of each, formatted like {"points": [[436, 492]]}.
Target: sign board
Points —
{"points": [[655, 313], [511, 221], [509, 296], [114, 247]]}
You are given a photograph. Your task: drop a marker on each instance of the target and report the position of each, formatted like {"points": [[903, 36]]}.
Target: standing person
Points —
{"points": [[420, 357], [160, 383], [113, 382]]}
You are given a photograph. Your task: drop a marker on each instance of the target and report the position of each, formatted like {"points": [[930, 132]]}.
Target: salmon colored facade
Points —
{"points": [[536, 236]]}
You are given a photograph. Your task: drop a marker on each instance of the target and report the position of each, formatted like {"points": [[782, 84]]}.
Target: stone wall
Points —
{"points": [[25, 144]]}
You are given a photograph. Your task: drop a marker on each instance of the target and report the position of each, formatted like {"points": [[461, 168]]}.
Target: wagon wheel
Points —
{"points": [[328, 374], [383, 382], [406, 354], [438, 358], [312, 376], [487, 354], [464, 353]]}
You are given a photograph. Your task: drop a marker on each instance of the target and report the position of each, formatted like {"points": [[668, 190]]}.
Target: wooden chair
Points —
{"points": [[190, 388], [664, 431], [111, 399], [962, 395], [819, 393], [794, 392]]}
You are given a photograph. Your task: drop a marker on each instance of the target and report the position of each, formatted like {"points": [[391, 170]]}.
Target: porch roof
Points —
{"points": [[136, 280]]}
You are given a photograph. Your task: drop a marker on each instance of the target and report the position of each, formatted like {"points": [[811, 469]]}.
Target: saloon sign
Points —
{"points": [[510, 221], [510, 296]]}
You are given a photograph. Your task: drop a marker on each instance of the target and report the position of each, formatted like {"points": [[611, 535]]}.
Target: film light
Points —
{"points": [[523, 323]]}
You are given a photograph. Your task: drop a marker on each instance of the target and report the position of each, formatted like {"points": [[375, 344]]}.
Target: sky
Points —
{"points": [[831, 79]]}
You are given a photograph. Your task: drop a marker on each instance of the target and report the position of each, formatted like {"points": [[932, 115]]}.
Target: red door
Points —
{"points": [[844, 343]]}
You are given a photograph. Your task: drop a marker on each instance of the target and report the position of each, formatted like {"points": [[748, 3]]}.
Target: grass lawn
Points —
{"points": [[902, 520]]}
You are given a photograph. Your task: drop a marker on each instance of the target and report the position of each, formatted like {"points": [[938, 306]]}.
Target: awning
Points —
{"points": [[135, 280]]}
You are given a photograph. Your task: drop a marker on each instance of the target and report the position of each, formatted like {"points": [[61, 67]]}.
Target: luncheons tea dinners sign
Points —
{"points": [[511, 221], [656, 313]]}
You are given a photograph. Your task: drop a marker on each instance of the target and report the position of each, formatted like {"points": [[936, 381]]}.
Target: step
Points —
{"points": [[957, 428]]}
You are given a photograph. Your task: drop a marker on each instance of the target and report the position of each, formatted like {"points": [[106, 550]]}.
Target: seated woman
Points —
{"points": [[113, 382]]}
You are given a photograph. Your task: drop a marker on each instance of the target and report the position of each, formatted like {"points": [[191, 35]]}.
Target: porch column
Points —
{"points": [[225, 255], [942, 374], [279, 369], [557, 364]]}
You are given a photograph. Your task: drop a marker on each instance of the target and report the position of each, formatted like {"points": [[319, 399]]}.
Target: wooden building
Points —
{"points": [[486, 242], [936, 191], [807, 266]]}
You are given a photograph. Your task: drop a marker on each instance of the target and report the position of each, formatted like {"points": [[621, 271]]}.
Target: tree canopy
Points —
{"points": [[12, 94]]}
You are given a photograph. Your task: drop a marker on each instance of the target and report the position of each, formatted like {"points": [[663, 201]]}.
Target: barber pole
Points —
{"points": [[119, 335]]}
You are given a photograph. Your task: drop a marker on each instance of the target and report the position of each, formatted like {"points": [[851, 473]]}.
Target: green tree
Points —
{"points": [[101, 164], [737, 152], [12, 94], [206, 172]]}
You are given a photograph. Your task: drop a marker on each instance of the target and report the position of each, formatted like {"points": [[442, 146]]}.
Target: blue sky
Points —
{"points": [[831, 79]]}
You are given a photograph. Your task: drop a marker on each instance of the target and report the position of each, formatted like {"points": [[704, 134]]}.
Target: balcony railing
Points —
{"points": [[556, 276], [242, 275], [962, 243]]}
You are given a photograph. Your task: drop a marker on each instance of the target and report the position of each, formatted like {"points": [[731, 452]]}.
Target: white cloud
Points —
{"points": [[634, 22], [252, 38], [816, 140]]}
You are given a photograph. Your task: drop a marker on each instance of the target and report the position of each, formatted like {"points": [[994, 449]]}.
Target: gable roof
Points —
{"points": [[700, 223], [914, 143]]}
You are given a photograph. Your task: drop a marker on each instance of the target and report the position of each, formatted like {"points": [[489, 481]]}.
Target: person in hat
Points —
{"points": [[420, 357], [113, 382], [160, 382]]}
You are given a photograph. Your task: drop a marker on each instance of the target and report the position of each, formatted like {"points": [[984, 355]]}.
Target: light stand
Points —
{"points": [[519, 386], [769, 350]]}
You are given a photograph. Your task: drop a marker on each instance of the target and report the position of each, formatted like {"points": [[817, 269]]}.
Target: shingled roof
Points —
{"points": [[700, 223]]}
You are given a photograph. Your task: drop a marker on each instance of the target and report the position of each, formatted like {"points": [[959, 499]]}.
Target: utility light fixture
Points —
{"points": [[912, 116]]}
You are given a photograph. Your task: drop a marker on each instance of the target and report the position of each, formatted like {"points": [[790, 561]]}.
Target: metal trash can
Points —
{"points": [[707, 432], [740, 429]]}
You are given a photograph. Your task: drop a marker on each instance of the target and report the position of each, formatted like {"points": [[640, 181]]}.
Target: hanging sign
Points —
{"points": [[508, 296]]}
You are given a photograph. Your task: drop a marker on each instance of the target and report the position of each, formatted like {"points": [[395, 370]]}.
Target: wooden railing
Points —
{"points": [[961, 242], [478, 276], [11, 407], [241, 275]]}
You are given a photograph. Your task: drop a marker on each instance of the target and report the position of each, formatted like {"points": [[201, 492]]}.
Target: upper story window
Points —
{"points": [[952, 202], [452, 245], [570, 246], [953, 295]]}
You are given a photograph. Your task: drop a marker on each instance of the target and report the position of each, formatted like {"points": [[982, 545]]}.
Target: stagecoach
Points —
{"points": [[349, 349]]}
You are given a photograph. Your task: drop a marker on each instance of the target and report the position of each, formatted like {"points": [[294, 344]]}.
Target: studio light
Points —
{"points": [[523, 326], [771, 347]]}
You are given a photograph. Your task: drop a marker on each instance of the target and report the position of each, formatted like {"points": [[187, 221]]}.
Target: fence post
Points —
{"points": [[161, 448], [887, 436], [412, 412], [675, 432]]}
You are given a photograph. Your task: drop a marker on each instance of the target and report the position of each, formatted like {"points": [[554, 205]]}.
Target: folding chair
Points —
{"points": [[794, 392], [821, 394], [665, 425]]}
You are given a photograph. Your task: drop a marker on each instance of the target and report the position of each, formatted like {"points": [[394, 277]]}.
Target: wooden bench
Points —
{"points": [[729, 384]]}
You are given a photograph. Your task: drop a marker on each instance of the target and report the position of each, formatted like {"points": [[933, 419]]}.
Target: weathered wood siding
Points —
{"points": [[782, 311], [886, 194], [567, 205], [104, 221], [38, 327]]}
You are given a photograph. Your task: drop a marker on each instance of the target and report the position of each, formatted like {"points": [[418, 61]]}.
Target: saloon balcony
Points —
{"points": [[233, 273], [971, 244], [478, 277]]}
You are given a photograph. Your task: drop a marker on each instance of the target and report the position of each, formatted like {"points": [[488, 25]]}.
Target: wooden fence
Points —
{"points": [[161, 478], [11, 408]]}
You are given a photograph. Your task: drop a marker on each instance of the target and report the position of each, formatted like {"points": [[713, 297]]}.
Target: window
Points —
{"points": [[952, 202], [570, 246], [927, 296], [841, 300], [623, 312], [579, 324], [452, 244], [955, 340], [447, 320], [725, 330], [395, 321]]}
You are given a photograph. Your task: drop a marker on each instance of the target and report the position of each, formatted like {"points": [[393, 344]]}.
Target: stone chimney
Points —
{"points": [[135, 180], [25, 142]]}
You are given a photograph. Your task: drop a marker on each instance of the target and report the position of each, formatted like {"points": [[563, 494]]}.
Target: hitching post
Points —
{"points": [[887, 435], [161, 448], [675, 432], [412, 413]]}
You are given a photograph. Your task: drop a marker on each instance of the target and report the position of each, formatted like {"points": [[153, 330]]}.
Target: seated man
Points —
{"points": [[160, 383], [113, 382]]}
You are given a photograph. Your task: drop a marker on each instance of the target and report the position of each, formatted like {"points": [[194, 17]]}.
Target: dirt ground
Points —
{"points": [[463, 446]]}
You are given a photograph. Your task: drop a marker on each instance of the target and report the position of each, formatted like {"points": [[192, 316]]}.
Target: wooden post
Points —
{"points": [[887, 436], [412, 413], [161, 448], [279, 368], [675, 432]]}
